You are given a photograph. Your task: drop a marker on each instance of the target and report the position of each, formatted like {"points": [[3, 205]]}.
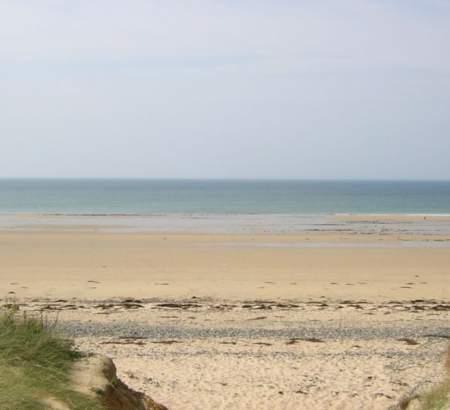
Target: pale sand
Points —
{"points": [[231, 353], [207, 355], [68, 264]]}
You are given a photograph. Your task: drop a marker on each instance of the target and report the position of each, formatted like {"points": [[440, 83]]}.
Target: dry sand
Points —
{"points": [[92, 265], [206, 354], [245, 321]]}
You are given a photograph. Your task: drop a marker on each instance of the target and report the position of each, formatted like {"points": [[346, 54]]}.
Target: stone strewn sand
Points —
{"points": [[204, 354]]}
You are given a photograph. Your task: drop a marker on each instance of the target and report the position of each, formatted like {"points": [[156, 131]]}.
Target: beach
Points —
{"points": [[343, 317], [95, 266], [225, 205]]}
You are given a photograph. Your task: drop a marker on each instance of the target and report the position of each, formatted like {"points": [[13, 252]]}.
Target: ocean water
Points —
{"points": [[221, 197]]}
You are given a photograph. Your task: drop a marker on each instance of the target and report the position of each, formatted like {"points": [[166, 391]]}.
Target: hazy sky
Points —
{"points": [[238, 88]]}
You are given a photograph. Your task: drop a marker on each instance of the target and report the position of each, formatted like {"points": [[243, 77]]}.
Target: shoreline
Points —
{"points": [[410, 224], [229, 214]]}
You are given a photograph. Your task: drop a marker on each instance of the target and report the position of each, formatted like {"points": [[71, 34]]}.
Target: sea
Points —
{"points": [[217, 205]]}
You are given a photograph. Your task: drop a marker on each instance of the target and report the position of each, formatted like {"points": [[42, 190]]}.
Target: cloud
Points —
{"points": [[364, 32], [225, 88]]}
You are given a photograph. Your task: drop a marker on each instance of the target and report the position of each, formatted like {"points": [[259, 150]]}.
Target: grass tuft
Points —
{"points": [[439, 397], [35, 364]]}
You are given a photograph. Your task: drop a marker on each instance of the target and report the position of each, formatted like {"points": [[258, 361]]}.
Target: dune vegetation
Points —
{"points": [[437, 398], [35, 365]]}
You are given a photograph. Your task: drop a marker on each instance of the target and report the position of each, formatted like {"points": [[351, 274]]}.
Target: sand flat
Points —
{"points": [[95, 265], [393, 217]]}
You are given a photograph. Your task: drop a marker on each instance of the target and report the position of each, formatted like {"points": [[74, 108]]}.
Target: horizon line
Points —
{"points": [[355, 179]]}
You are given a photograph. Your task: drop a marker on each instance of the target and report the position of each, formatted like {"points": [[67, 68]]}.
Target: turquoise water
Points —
{"points": [[148, 197]]}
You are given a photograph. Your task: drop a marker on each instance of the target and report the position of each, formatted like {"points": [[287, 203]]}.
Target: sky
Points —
{"points": [[225, 89]]}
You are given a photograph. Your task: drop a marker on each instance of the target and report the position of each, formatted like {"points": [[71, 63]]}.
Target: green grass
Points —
{"points": [[34, 364], [439, 397]]}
